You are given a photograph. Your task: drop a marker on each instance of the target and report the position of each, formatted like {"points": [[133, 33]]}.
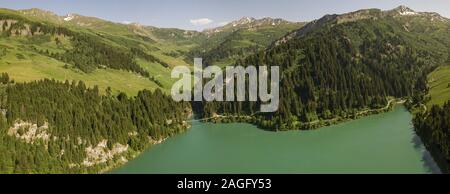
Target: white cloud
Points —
{"points": [[201, 21]]}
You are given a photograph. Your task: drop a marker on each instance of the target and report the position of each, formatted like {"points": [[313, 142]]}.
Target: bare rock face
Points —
{"points": [[29, 132], [23, 30], [101, 153], [403, 10]]}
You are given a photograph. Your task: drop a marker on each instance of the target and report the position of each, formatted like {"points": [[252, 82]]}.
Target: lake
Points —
{"points": [[383, 143]]}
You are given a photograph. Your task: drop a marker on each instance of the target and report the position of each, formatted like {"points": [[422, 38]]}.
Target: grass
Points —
{"points": [[23, 64], [224, 62], [439, 83], [36, 67], [170, 47], [159, 72]]}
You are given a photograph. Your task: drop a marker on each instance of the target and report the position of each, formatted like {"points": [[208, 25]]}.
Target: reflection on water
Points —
{"points": [[427, 159], [384, 143]]}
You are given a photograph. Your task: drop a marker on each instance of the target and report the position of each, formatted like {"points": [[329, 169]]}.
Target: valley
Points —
{"points": [[86, 95]]}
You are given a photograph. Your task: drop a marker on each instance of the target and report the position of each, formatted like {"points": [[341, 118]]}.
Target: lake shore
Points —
{"points": [[308, 125], [382, 143]]}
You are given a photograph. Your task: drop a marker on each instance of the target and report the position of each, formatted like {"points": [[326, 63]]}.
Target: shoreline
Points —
{"points": [[312, 125], [186, 126], [146, 162], [361, 114], [135, 154]]}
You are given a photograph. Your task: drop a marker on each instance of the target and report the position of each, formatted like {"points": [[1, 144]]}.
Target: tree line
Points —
{"points": [[333, 73], [77, 113], [433, 127], [89, 52]]}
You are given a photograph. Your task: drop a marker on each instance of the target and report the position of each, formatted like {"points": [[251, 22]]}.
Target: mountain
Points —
{"points": [[41, 15], [71, 44], [237, 39], [402, 14], [39, 44], [81, 95], [344, 66], [248, 23]]}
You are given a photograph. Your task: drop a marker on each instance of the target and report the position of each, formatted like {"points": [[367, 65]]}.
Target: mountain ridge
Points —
{"points": [[334, 69], [71, 16], [249, 22], [341, 60], [373, 13]]}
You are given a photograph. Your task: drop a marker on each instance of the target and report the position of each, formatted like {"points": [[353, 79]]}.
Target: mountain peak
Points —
{"points": [[37, 12], [403, 10], [406, 11], [243, 21], [248, 23], [69, 17]]}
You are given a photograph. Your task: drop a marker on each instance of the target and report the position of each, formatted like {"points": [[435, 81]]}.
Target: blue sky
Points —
{"points": [[201, 14]]}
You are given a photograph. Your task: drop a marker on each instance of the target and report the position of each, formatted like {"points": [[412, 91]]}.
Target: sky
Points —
{"points": [[203, 14]]}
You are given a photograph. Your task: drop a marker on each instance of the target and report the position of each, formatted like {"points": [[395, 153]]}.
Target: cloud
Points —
{"points": [[201, 21]]}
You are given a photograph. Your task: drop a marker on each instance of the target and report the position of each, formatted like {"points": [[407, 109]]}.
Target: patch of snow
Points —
{"points": [[405, 11], [408, 13], [69, 17]]}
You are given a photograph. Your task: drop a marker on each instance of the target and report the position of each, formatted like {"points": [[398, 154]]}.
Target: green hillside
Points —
{"points": [[439, 86], [238, 39], [126, 57], [38, 44], [66, 127], [81, 95], [341, 66]]}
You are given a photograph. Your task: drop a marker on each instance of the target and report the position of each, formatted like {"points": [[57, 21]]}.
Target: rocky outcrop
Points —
{"points": [[30, 132], [101, 153], [22, 30]]}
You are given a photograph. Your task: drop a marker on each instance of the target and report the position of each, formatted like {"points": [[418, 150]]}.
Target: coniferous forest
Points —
{"points": [[326, 75], [433, 127], [70, 118], [333, 69], [88, 52]]}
